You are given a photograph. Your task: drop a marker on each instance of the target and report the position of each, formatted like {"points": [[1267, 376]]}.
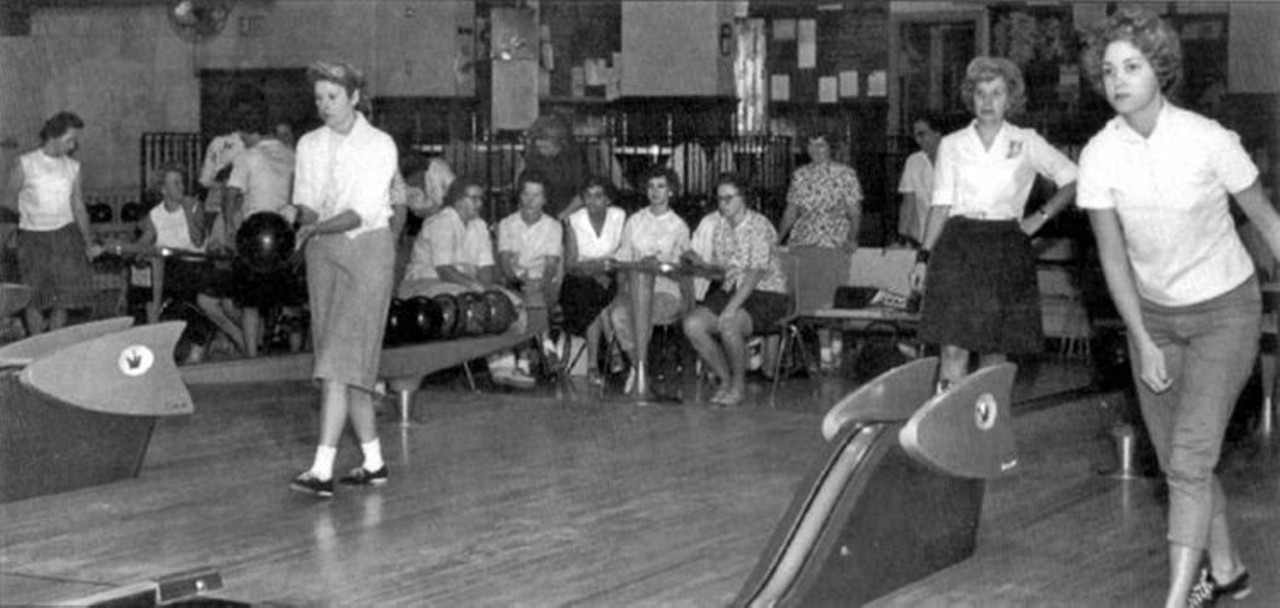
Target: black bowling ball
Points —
{"points": [[100, 213], [475, 313], [265, 242], [502, 311], [449, 315], [423, 318], [395, 332], [131, 212]]}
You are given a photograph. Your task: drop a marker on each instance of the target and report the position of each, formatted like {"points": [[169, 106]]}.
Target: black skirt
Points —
{"points": [[581, 300], [981, 292], [765, 308]]}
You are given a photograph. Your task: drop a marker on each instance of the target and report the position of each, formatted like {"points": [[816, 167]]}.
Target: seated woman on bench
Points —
{"points": [[592, 238], [453, 252], [752, 296], [176, 224]]}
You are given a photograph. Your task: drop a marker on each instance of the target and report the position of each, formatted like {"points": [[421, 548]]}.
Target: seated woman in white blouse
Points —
{"points": [[593, 237]]}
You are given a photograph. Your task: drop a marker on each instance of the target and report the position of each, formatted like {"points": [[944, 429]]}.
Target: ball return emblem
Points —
{"points": [[135, 360], [985, 411]]}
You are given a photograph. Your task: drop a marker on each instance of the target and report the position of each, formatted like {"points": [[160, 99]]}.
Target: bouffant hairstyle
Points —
{"points": [[549, 127], [1153, 37], [597, 181], [985, 69], [59, 124], [337, 72]]}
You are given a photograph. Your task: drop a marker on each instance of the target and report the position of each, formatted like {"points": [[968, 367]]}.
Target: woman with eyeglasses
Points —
{"points": [[752, 296]]}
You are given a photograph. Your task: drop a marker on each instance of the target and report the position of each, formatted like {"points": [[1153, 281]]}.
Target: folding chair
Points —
{"points": [[813, 273]]}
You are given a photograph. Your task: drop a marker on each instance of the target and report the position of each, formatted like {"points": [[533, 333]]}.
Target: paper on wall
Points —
{"points": [[828, 87], [849, 83], [780, 87], [807, 36]]}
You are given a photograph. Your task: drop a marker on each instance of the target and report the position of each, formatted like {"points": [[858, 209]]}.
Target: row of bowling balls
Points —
{"points": [[446, 316], [102, 213]]}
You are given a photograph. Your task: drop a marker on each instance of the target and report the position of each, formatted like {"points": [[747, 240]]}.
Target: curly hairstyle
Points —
{"points": [[165, 169], [665, 172], [458, 189], [985, 69], [1153, 37]]}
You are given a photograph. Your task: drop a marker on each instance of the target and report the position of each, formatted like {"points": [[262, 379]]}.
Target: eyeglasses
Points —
{"points": [[725, 199]]}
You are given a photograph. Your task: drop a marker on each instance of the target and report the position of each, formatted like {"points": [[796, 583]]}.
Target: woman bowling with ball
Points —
{"points": [[342, 192], [1156, 181]]}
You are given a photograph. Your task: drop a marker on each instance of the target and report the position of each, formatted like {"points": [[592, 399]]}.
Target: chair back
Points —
{"points": [[813, 273], [882, 268]]}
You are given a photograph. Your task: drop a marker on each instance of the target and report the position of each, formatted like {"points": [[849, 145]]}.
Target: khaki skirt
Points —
{"points": [[349, 284]]}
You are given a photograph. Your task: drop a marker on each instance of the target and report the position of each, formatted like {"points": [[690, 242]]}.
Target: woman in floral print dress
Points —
{"points": [[824, 203]]}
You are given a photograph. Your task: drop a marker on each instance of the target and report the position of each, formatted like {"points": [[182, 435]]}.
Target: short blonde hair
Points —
{"points": [[985, 69]]}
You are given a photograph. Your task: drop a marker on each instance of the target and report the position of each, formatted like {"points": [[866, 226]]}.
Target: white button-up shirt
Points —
{"points": [[336, 173], [1170, 191], [994, 183]]}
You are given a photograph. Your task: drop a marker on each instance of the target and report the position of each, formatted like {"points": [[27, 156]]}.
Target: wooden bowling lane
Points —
{"points": [[1055, 533], [497, 500], [507, 499]]}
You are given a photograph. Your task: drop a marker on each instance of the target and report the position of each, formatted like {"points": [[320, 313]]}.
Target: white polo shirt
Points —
{"points": [[994, 183], [1170, 191], [532, 243], [917, 180]]}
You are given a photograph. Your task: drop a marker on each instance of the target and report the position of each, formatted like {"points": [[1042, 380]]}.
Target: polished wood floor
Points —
{"points": [[555, 498]]}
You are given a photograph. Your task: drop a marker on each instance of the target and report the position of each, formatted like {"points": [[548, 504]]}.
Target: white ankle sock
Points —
{"points": [[322, 466], [372, 455]]}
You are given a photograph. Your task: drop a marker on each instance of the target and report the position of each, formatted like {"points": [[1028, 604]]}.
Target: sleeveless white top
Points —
{"points": [[171, 228], [594, 246], [44, 203]]}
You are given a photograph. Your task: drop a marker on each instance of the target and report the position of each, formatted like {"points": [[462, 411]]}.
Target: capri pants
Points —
{"points": [[1209, 350]]}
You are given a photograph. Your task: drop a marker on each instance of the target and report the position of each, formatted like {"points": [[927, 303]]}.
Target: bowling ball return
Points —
{"points": [[77, 405], [898, 494], [402, 366]]}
